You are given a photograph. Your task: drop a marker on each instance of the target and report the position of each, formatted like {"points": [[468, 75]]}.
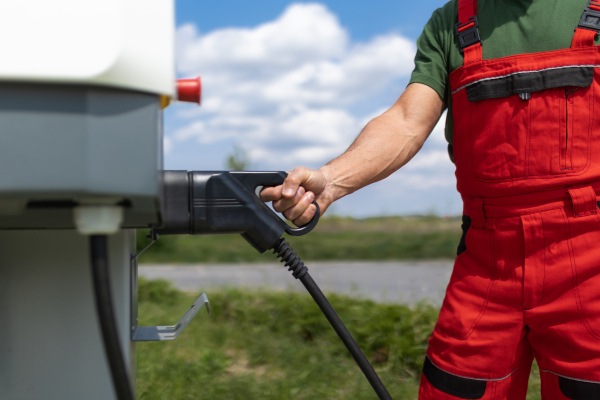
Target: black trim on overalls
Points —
{"points": [[458, 386], [578, 390], [531, 81]]}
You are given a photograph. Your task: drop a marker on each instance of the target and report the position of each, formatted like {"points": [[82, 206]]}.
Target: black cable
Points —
{"points": [[299, 271], [106, 317]]}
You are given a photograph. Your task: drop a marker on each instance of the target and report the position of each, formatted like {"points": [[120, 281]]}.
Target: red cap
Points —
{"points": [[189, 90]]}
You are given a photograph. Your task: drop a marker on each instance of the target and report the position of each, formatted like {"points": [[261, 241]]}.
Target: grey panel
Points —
{"points": [[50, 342], [59, 143]]}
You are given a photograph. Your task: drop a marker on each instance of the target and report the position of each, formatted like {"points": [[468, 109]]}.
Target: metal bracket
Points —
{"points": [[160, 333], [153, 236]]}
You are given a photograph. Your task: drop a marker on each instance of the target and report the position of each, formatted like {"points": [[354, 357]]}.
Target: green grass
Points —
{"points": [[334, 238], [265, 345]]}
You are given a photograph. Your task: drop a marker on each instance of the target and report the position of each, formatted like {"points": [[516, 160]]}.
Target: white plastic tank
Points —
{"points": [[126, 44]]}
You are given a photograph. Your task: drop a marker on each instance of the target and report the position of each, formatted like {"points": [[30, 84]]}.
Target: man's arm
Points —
{"points": [[387, 143]]}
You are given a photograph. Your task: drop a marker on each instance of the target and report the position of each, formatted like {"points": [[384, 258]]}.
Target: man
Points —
{"points": [[525, 137]]}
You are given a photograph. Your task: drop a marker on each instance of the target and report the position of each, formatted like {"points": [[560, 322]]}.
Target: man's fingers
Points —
{"points": [[270, 193], [289, 189], [295, 179], [302, 204], [284, 204], [290, 186], [306, 216], [295, 196]]}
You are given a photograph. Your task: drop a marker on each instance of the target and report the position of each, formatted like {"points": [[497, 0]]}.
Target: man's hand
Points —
{"points": [[294, 198]]}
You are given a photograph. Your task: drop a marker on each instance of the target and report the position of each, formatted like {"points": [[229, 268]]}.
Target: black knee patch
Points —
{"points": [[578, 390], [462, 245], [460, 387]]}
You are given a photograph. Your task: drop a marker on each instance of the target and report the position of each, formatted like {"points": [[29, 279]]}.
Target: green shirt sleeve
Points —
{"points": [[432, 58]]}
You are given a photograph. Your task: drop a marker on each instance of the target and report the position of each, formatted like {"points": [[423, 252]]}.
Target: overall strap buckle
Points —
{"points": [[468, 33], [591, 16]]}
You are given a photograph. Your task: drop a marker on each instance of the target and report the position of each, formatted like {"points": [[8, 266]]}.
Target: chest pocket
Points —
{"points": [[531, 124]]}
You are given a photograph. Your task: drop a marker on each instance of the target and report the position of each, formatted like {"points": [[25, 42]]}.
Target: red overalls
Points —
{"points": [[527, 154]]}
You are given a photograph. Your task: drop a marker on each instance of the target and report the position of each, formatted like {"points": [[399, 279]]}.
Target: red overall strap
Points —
{"points": [[588, 25], [583, 38], [466, 9], [467, 20]]}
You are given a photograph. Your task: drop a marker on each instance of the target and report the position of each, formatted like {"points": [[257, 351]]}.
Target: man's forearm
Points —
{"points": [[387, 142]]}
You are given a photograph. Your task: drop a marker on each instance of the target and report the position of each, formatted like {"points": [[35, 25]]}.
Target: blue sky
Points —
{"points": [[293, 83]]}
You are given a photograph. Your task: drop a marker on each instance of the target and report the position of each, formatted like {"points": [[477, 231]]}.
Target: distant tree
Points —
{"points": [[238, 160]]}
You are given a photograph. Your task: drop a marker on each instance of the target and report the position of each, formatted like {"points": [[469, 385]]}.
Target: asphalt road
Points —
{"points": [[403, 282]]}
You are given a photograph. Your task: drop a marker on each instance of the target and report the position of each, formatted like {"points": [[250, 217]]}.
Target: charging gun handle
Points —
{"points": [[252, 180]]}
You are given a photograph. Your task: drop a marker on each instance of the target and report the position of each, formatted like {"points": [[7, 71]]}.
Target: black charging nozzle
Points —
{"points": [[210, 202]]}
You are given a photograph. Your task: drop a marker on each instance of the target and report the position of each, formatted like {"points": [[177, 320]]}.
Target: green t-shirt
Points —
{"points": [[506, 27]]}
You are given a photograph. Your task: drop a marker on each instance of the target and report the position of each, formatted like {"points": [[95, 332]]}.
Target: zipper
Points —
{"points": [[568, 91]]}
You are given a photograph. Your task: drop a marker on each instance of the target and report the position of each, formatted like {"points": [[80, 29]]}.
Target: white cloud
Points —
{"points": [[304, 32], [292, 83], [430, 160], [437, 134], [326, 126], [408, 180], [167, 145], [296, 91]]}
